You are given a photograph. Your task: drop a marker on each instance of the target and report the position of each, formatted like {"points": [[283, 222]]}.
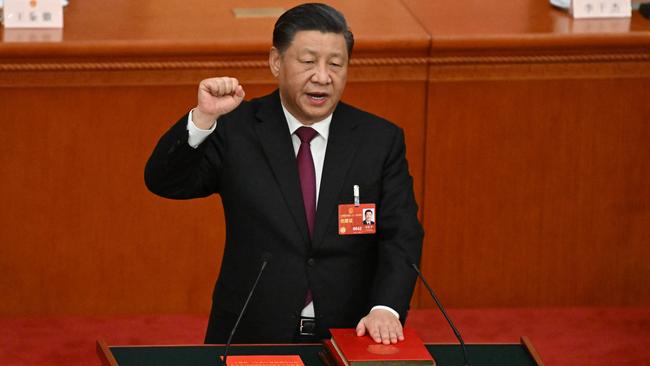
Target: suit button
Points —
{"points": [[311, 262]]}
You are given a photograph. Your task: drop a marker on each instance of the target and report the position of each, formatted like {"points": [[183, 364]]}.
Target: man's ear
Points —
{"points": [[274, 61]]}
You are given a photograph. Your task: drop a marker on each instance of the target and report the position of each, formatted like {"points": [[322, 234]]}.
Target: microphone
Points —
{"points": [[444, 313], [266, 257]]}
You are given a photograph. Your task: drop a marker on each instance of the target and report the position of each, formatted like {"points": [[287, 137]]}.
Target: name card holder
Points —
{"points": [[590, 9], [33, 14]]}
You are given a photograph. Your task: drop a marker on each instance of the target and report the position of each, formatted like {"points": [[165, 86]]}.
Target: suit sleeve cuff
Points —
{"points": [[386, 308], [196, 135]]}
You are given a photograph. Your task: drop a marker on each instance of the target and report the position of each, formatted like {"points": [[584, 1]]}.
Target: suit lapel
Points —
{"points": [[341, 147], [273, 133]]}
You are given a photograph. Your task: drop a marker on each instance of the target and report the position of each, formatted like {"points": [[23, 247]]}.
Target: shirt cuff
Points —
{"points": [[386, 308], [196, 135]]}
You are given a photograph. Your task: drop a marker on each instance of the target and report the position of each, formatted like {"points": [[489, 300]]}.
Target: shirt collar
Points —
{"points": [[322, 127]]}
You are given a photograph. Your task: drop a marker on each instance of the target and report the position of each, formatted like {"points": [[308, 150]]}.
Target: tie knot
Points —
{"points": [[306, 134]]}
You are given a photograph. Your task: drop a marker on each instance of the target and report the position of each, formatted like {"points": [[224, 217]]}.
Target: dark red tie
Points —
{"points": [[307, 174]]}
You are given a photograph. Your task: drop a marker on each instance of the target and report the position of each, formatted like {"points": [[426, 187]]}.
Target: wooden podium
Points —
{"points": [[522, 354]]}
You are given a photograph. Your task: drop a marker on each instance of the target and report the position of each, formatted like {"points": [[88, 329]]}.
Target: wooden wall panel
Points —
{"points": [[537, 162], [539, 195], [81, 231]]}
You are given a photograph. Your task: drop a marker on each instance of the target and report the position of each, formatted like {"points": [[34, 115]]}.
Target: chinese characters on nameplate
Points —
{"points": [[33, 14], [581, 9]]}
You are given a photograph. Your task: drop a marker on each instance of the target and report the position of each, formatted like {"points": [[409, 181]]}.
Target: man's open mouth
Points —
{"points": [[317, 96]]}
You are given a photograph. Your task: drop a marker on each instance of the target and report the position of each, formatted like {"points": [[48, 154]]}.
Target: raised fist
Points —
{"points": [[216, 97]]}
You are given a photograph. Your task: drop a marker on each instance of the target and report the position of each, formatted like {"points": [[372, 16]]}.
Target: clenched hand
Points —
{"points": [[216, 97]]}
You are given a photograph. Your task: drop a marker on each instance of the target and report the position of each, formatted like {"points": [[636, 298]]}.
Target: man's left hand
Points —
{"points": [[382, 326]]}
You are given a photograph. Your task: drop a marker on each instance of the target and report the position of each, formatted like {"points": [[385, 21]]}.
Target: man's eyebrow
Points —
{"points": [[314, 52]]}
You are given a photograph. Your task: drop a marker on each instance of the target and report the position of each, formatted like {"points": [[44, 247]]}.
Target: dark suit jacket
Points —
{"points": [[249, 160]]}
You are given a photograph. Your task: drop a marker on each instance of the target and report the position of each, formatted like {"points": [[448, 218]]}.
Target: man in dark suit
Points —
{"points": [[283, 164]]}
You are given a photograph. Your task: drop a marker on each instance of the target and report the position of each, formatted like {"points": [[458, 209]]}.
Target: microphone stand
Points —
{"points": [[444, 313]]}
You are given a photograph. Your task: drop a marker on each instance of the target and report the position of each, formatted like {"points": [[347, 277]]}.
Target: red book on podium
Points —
{"points": [[264, 360], [347, 349]]}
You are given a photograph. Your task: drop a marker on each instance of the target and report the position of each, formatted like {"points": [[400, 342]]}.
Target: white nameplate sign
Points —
{"points": [[33, 14], [582, 9]]}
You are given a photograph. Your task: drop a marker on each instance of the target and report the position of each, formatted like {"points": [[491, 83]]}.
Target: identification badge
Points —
{"points": [[357, 219]]}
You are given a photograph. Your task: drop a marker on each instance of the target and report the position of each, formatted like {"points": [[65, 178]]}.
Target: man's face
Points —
{"points": [[368, 216], [311, 73]]}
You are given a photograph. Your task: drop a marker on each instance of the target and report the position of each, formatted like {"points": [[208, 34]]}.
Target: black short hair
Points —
{"points": [[365, 213], [311, 16]]}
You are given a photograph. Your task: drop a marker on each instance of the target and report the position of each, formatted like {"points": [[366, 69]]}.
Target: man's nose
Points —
{"points": [[321, 75]]}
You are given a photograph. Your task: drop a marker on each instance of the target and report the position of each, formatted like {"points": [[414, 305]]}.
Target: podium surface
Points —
{"points": [[521, 354]]}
